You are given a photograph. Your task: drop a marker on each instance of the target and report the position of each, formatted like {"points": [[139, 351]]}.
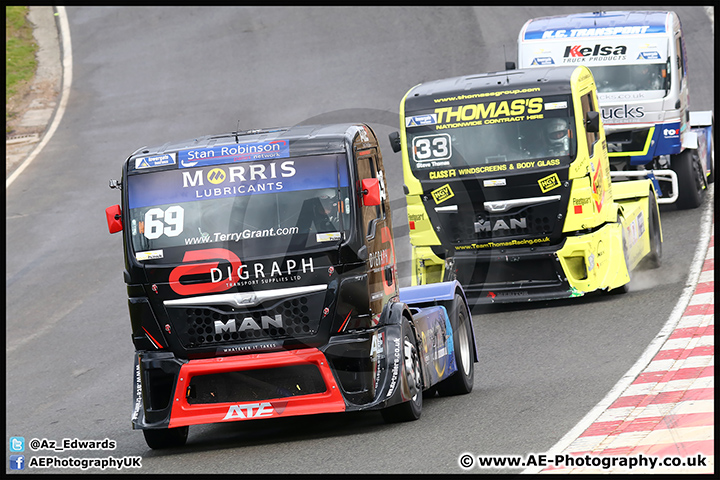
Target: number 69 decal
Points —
{"points": [[174, 217], [431, 147]]}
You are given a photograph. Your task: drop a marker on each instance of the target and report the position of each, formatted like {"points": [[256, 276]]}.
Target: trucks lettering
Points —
{"points": [[623, 112]]}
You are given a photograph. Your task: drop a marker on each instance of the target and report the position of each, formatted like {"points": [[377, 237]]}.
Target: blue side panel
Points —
{"points": [[665, 141], [435, 345], [437, 292], [428, 293], [705, 145]]}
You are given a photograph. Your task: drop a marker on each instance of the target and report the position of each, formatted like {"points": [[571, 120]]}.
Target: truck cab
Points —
{"points": [[262, 282], [639, 62], [508, 187]]}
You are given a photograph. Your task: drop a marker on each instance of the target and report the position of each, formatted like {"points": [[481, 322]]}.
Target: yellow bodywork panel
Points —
{"points": [[595, 260], [423, 233], [427, 267], [635, 215]]}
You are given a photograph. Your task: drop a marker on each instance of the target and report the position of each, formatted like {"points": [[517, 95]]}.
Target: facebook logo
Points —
{"points": [[17, 462], [17, 444]]}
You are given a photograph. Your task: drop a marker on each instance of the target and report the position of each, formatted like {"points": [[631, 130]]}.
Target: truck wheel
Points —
{"points": [[653, 259], [690, 182], [410, 410], [460, 382], [158, 438]]}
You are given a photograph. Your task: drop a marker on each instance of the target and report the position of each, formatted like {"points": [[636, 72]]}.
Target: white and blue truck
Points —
{"points": [[640, 65]]}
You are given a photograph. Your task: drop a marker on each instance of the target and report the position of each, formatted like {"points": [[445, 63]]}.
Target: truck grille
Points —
{"points": [[531, 221], [290, 318], [631, 141], [255, 385]]}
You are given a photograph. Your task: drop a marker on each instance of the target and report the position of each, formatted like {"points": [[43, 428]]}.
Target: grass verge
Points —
{"points": [[20, 60]]}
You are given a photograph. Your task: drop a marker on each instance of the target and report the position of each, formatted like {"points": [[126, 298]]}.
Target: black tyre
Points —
{"points": [[460, 382], [711, 172], [653, 259], [691, 186], [412, 409], [166, 437]]}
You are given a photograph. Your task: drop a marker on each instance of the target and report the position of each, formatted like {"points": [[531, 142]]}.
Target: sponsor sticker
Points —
{"points": [[535, 33], [155, 161], [443, 193], [497, 182], [241, 152], [649, 56], [671, 132], [543, 61], [327, 237], [555, 105], [222, 181], [149, 255], [419, 120], [549, 183]]}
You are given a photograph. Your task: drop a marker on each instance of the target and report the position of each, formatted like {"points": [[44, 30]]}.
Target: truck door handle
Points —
{"points": [[388, 275]]}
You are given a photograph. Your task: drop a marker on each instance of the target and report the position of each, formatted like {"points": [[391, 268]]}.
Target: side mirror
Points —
{"points": [[509, 65], [394, 141], [592, 121], [114, 218], [371, 192]]}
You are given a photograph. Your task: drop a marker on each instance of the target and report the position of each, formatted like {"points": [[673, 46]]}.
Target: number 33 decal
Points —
{"points": [[431, 147]]}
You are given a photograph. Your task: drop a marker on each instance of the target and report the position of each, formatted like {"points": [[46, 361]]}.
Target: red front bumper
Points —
{"points": [[183, 413]]}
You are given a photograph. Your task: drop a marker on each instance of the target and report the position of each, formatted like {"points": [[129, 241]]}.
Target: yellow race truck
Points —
{"points": [[508, 188]]}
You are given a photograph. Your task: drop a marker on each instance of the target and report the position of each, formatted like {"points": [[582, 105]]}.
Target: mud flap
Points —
{"points": [[619, 275], [163, 369], [138, 412]]}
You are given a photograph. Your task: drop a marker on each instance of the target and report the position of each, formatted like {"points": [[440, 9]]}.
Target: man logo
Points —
{"points": [[216, 175]]}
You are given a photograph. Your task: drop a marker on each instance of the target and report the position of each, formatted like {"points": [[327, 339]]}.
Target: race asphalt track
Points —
{"points": [[144, 76]]}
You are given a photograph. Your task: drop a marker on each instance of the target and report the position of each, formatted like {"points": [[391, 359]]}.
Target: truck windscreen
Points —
{"points": [[253, 208], [630, 78], [476, 135]]}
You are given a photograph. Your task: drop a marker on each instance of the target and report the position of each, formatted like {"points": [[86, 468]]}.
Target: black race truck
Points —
{"points": [[262, 282]]}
